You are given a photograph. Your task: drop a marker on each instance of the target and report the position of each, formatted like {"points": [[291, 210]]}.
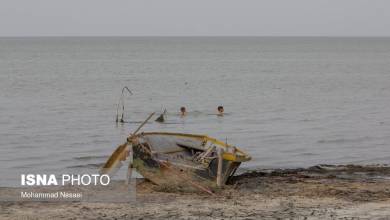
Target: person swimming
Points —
{"points": [[183, 111], [220, 110]]}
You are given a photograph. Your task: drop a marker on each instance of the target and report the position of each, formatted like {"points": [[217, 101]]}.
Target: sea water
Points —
{"points": [[290, 101]]}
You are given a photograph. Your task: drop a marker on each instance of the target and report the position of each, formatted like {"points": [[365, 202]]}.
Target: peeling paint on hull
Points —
{"points": [[176, 170]]}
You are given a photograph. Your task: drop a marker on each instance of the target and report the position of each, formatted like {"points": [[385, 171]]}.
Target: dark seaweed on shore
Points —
{"points": [[323, 170], [347, 182]]}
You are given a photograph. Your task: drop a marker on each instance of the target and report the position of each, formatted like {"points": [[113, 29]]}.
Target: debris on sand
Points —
{"points": [[320, 192]]}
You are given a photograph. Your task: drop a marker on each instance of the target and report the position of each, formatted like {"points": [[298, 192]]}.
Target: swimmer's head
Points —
{"points": [[183, 110], [220, 109]]}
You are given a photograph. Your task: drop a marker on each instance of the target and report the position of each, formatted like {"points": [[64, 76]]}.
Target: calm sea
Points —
{"points": [[291, 102]]}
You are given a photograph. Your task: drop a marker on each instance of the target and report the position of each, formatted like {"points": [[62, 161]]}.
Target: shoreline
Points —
{"points": [[319, 192]]}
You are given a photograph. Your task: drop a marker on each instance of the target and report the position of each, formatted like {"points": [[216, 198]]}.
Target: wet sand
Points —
{"points": [[320, 192]]}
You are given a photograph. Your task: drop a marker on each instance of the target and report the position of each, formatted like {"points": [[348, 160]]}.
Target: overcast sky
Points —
{"points": [[195, 17]]}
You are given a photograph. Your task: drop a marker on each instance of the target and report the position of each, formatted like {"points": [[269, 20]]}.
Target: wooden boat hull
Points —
{"points": [[183, 160]]}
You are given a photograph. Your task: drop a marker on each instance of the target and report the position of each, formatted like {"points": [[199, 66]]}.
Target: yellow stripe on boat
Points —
{"points": [[227, 155]]}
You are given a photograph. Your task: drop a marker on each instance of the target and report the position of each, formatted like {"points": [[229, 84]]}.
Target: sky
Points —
{"points": [[194, 17]]}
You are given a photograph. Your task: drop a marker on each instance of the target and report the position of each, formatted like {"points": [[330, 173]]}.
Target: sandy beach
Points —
{"points": [[319, 192]]}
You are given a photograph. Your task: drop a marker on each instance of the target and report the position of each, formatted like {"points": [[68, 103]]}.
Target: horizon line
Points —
{"points": [[168, 36]]}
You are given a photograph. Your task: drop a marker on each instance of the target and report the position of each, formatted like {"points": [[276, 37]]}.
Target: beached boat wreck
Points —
{"points": [[179, 160], [176, 159]]}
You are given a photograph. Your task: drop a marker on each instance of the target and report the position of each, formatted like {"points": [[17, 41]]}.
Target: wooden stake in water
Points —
{"points": [[219, 171]]}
